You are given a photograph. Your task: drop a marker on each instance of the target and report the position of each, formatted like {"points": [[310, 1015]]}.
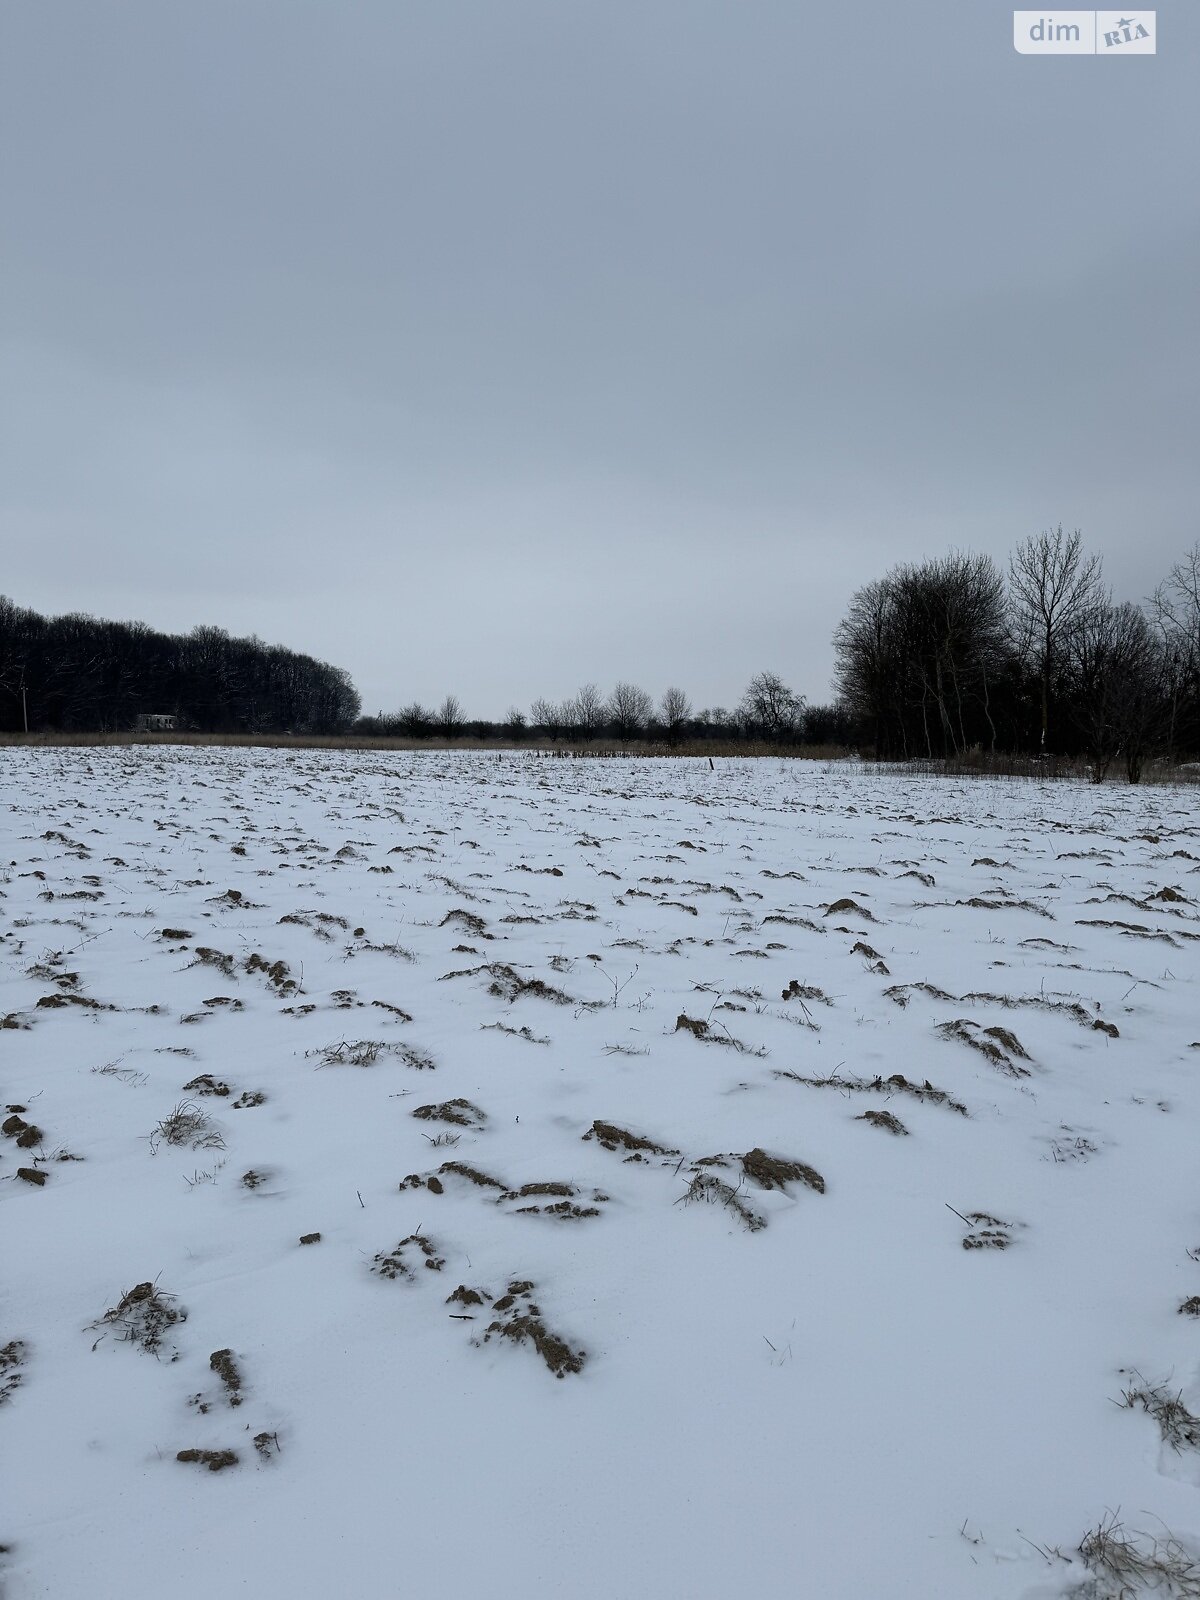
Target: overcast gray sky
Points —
{"points": [[492, 346]]}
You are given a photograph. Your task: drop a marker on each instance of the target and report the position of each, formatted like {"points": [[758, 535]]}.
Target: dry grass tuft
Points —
{"points": [[998, 1045], [508, 984], [517, 1033], [129, 1075], [896, 1084], [982, 904], [707, 1034], [144, 1316], [366, 1052], [901, 993], [1144, 1564], [707, 1188], [1180, 1428], [187, 1126]]}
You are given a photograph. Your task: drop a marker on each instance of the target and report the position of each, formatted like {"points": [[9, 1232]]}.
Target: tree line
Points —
{"points": [[940, 657], [769, 712], [79, 674], [937, 659]]}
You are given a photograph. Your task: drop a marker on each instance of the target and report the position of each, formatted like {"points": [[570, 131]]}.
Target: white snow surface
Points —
{"points": [[843, 1402]]}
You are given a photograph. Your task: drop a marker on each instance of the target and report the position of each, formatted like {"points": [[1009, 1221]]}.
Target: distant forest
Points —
{"points": [[80, 674], [946, 659]]}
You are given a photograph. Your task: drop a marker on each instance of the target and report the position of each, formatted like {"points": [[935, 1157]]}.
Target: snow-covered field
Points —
{"points": [[918, 1204]]}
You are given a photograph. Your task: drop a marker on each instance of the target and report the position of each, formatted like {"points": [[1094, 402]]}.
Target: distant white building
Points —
{"points": [[155, 722]]}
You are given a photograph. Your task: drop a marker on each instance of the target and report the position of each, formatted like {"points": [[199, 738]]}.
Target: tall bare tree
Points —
{"points": [[1118, 693], [1054, 584], [674, 710], [868, 670], [770, 706], [918, 654], [450, 717], [629, 710], [588, 709], [415, 719], [550, 717], [1176, 610]]}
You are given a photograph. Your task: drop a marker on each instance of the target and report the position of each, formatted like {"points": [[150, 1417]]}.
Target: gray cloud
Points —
{"points": [[498, 346]]}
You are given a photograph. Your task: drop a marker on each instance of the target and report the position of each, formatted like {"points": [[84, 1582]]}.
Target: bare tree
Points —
{"points": [[769, 706], [958, 606], [674, 710], [450, 718], [1119, 686], [919, 651], [715, 721], [515, 724], [629, 710], [588, 707], [1177, 605], [415, 719], [868, 675], [1054, 586], [1176, 608], [549, 717]]}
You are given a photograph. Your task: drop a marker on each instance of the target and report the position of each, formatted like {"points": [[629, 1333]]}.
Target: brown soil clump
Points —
{"points": [[225, 1367], [883, 1119], [214, 1460], [773, 1172], [614, 1138], [524, 1325], [460, 1113]]}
